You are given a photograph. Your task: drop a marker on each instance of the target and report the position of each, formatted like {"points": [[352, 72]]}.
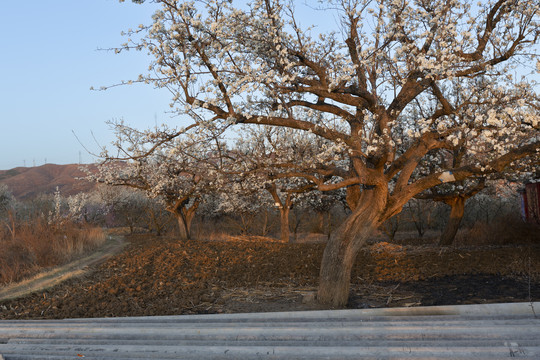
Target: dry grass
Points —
{"points": [[248, 238], [39, 245], [508, 231], [311, 238]]}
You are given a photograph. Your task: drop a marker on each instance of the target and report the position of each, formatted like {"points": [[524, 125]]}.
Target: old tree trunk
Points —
{"points": [[184, 226], [184, 216], [343, 246], [457, 205], [284, 224], [284, 207]]}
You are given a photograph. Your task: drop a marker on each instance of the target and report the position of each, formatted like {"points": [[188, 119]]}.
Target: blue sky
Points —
{"points": [[49, 61]]}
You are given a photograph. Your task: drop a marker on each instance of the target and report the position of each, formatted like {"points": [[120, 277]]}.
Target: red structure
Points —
{"points": [[530, 202]]}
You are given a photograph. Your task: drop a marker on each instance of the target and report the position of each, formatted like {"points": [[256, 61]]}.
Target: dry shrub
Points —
{"points": [[92, 237], [16, 261], [38, 239], [507, 231], [38, 245], [71, 241]]}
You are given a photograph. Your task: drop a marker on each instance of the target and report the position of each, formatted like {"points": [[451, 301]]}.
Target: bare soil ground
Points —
{"points": [[163, 276]]}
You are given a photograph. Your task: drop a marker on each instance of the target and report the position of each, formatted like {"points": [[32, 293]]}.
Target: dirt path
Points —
{"points": [[57, 275]]}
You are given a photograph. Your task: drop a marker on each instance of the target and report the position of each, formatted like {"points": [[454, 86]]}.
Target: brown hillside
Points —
{"points": [[26, 182]]}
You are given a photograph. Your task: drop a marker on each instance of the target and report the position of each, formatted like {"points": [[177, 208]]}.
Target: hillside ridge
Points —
{"points": [[28, 182]]}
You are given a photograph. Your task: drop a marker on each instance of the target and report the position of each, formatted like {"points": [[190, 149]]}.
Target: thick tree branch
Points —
{"points": [[464, 172]]}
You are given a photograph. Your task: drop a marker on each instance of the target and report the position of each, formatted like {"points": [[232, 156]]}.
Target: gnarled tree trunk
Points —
{"points": [[457, 205], [343, 246], [184, 216], [184, 227], [353, 196]]}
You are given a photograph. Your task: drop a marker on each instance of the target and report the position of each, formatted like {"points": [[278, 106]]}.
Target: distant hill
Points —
{"points": [[27, 182]]}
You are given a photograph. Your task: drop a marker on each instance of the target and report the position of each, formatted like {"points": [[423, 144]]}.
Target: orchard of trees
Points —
{"points": [[399, 101]]}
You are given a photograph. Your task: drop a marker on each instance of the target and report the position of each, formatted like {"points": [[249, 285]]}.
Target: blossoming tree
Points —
{"points": [[487, 125], [166, 164], [268, 157], [257, 64]]}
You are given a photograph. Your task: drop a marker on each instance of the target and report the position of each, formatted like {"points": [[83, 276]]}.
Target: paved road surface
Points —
{"points": [[495, 331]]}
